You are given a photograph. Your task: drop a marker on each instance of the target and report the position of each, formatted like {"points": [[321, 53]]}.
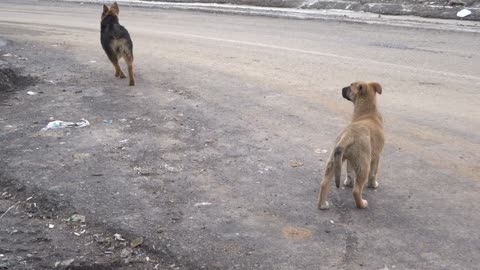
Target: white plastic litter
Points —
{"points": [[463, 13], [31, 93], [118, 237], [62, 124], [202, 204]]}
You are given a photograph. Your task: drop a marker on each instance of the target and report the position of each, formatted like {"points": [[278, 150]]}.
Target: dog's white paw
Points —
{"points": [[363, 205], [324, 206], [373, 184]]}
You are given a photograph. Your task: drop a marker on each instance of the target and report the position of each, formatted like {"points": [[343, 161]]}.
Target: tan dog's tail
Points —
{"points": [[338, 160], [342, 144]]}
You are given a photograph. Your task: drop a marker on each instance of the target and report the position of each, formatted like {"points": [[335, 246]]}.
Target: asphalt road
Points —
{"points": [[223, 105]]}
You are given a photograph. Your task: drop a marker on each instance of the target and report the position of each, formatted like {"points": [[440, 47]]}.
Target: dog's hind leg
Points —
{"points": [[131, 76], [114, 59], [350, 175], [118, 70], [361, 173], [325, 185], [372, 177]]}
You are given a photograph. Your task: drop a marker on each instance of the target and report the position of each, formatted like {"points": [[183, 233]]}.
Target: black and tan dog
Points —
{"points": [[360, 144], [116, 41]]}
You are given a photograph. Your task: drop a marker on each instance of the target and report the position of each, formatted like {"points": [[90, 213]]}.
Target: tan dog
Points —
{"points": [[360, 144]]}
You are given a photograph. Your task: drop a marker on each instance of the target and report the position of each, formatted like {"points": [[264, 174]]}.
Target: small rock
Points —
{"points": [[455, 3], [136, 242], [296, 163], [77, 218], [126, 252]]}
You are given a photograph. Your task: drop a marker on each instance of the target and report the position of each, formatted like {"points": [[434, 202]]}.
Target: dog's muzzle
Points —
{"points": [[346, 93]]}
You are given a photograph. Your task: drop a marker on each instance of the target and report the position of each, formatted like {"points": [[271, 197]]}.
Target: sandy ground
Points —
{"points": [[196, 159]]}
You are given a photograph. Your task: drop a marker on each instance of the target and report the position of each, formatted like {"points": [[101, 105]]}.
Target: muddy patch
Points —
{"points": [[11, 79]]}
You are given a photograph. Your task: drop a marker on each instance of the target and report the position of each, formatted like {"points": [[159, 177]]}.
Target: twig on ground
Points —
{"points": [[10, 208]]}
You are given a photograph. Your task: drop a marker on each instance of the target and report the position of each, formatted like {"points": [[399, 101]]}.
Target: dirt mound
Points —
{"points": [[8, 78], [11, 79]]}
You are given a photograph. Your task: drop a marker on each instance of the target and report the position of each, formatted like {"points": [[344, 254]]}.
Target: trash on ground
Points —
{"points": [[118, 237], [7, 55], [124, 141], [463, 13], [331, 221], [296, 163], [172, 169], [31, 93], [321, 151], [22, 58], [136, 242], [92, 61], [77, 218], [202, 204], [51, 226], [107, 121], [62, 124], [64, 263]]}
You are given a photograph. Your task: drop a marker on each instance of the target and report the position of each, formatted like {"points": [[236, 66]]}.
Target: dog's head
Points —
{"points": [[362, 92], [113, 10]]}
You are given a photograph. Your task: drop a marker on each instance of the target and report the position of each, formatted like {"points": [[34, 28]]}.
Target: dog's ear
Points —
{"points": [[105, 9], [115, 8], [377, 87]]}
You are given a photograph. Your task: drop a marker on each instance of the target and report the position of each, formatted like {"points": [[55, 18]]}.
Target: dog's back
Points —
{"points": [[115, 38]]}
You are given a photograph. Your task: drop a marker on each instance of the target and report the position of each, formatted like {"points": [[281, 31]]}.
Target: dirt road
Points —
{"points": [[196, 159]]}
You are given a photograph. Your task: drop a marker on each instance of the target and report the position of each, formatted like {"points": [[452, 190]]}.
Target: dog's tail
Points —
{"points": [[338, 158]]}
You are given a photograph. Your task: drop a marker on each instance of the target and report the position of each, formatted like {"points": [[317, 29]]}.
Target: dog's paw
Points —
{"points": [[323, 206], [363, 205], [348, 182], [132, 83], [373, 184], [122, 76]]}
